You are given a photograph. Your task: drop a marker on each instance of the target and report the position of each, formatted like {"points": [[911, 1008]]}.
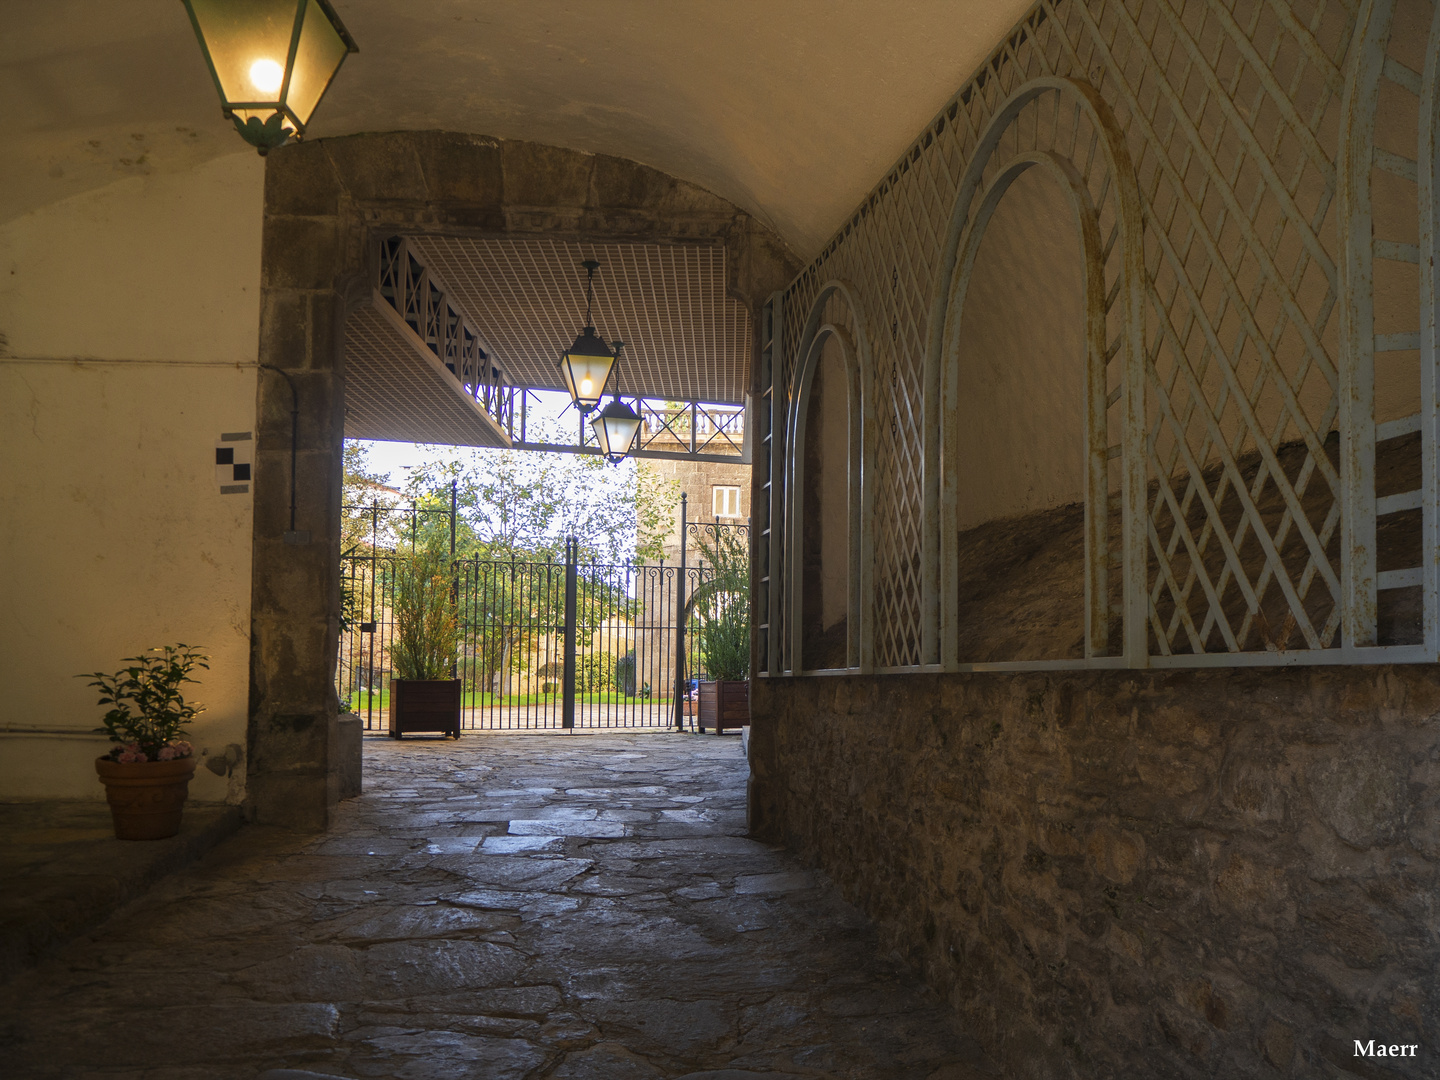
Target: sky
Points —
{"points": [[396, 459], [550, 419]]}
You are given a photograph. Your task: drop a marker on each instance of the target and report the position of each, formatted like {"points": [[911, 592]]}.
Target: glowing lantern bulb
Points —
{"points": [[267, 75], [587, 387]]}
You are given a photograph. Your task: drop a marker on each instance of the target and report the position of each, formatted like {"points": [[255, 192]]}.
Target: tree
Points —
{"points": [[518, 507], [427, 630], [723, 601], [361, 487], [523, 504]]}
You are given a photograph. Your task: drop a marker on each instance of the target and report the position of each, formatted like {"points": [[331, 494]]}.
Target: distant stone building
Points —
{"points": [[716, 493]]}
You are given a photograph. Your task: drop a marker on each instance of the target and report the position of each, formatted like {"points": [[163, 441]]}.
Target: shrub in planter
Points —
{"points": [[147, 773], [723, 605], [423, 695]]}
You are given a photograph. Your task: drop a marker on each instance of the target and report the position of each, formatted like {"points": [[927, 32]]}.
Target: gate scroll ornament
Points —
{"points": [[1219, 159]]}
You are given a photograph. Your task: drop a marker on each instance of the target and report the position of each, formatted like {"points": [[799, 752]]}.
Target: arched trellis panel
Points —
{"points": [[1083, 150], [1404, 161], [834, 316], [1248, 535]]}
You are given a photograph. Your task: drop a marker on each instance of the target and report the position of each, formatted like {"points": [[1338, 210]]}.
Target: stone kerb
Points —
{"points": [[325, 203]]}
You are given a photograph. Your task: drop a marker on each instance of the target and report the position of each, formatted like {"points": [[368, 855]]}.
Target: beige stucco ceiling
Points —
{"points": [[792, 109]]}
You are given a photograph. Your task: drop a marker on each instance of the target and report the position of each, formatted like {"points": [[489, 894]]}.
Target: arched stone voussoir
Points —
{"points": [[463, 182]]}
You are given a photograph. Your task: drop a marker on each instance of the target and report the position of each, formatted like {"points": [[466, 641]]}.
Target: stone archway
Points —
{"points": [[325, 203]]}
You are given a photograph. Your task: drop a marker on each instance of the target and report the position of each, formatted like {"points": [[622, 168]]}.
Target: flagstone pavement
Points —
{"points": [[581, 907]]}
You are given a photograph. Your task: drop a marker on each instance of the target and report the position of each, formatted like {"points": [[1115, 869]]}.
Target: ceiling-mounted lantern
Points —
{"points": [[272, 61], [587, 364], [616, 425]]}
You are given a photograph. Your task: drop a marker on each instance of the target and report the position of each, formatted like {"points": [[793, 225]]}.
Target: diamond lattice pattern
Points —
{"points": [[1231, 116]]}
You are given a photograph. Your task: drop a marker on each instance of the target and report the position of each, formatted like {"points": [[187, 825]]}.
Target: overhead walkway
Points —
{"points": [[456, 332]]}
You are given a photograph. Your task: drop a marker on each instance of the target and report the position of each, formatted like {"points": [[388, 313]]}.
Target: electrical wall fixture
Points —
{"points": [[272, 61], [292, 535], [586, 365], [617, 424]]}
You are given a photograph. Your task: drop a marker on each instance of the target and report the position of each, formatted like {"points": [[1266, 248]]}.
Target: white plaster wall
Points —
{"points": [[130, 318], [830, 428], [1022, 359]]}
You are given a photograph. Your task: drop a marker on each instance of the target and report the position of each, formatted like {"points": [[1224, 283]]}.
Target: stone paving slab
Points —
{"points": [[437, 932]]}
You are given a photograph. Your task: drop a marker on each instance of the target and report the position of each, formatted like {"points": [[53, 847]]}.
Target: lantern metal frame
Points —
{"points": [[616, 412], [588, 348]]}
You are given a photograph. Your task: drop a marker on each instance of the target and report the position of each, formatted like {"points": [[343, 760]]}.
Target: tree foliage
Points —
{"points": [[367, 503], [723, 602], [427, 628], [523, 504]]}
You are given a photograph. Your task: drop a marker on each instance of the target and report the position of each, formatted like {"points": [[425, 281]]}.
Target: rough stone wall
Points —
{"points": [[1197, 874]]}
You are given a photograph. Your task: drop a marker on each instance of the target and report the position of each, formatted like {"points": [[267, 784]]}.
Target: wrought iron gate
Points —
{"points": [[545, 645]]}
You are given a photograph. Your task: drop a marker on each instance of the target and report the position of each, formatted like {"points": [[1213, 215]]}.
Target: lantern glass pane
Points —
{"points": [[585, 376], [248, 44], [615, 434], [602, 434], [316, 60]]}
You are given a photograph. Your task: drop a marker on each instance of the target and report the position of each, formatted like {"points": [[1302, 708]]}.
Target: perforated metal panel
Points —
{"points": [[396, 392], [685, 338]]}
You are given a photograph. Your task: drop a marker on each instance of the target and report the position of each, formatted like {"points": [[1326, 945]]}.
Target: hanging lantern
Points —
{"points": [[615, 429], [272, 61], [586, 365], [616, 425]]}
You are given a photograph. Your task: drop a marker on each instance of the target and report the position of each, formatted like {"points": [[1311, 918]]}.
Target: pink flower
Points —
{"points": [[182, 748], [128, 756], [167, 753], [132, 748]]}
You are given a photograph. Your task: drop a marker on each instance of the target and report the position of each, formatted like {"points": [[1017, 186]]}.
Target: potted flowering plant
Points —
{"points": [[147, 773]]}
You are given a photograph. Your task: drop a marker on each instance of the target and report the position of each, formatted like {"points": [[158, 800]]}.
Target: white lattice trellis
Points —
{"points": [[1236, 341]]}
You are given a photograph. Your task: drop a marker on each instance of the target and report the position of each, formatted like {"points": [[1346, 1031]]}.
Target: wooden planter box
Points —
{"points": [[724, 704], [424, 705]]}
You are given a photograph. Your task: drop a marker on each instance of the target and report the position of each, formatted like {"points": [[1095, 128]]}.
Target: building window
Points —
{"points": [[726, 501]]}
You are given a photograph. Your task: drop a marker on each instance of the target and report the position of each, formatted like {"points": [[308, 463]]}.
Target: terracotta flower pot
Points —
{"points": [[146, 797]]}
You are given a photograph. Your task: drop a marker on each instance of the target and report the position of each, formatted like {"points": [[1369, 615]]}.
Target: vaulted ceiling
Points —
{"points": [[791, 109]]}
